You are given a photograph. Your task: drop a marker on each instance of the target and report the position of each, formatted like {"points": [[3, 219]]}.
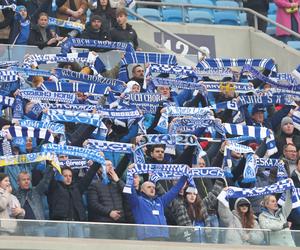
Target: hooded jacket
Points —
{"points": [[128, 35], [232, 219]]}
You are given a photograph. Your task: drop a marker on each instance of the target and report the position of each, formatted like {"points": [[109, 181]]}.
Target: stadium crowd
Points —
{"points": [[115, 134]]}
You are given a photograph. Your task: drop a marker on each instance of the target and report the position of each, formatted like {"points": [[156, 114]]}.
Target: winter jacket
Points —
{"points": [[257, 5], [279, 235], [150, 211], [66, 200], [101, 35], [8, 201], [284, 18], [102, 199], [35, 37], [108, 15], [34, 195], [231, 219], [128, 35]]}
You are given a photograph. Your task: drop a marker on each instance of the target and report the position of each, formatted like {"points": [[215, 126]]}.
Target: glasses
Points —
{"points": [[291, 151], [244, 205]]}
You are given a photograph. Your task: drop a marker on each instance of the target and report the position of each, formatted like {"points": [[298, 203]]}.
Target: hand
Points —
{"points": [[115, 215], [113, 175], [51, 41], [131, 166], [16, 211], [138, 49], [17, 92], [224, 144]]}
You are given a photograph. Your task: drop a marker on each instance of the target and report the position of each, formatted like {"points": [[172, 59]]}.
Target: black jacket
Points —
{"points": [[102, 199], [257, 5], [66, 201], [35, 37], [8, 14], [101, 35], [125, 35]]}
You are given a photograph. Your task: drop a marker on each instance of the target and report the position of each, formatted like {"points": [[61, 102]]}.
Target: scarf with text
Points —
{"points": [[109, 146], [65, 24], [55, 128], [31, 94]]}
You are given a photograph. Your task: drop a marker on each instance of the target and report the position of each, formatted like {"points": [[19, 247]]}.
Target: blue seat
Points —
{"points": [[272, 8], [151, 14], [199, 16], [203, 2], [227, 3], [225, 18], [271, 28], [294, 44], [172, 15]]}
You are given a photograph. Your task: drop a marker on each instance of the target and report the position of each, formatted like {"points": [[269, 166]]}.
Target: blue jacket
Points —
{"points": [[142, 209]]}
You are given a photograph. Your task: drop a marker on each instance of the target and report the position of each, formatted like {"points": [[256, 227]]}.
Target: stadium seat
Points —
{"points": [[294, 44], [172, 15], [151, 14], [199, 16], [271, 28], [223, 17], [272, 9], [203, 2], [224, 3]]}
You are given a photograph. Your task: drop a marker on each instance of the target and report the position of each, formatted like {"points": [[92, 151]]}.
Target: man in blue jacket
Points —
{"points": [[148, 208]]}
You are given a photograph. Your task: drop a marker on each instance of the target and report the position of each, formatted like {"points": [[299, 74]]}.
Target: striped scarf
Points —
{"points": [[31, 94], [65, 24], [18, 131], [62, 86], [89, 43], [207, 63]]}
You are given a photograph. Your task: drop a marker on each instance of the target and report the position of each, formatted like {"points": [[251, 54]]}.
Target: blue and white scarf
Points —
{"points": [[89, 43], [265, 99], [179, 84], [11, 6], [271, 163], [32, 72], [6, 64], [173, 140], [207, 172], [170, 69], [74, 164], [55, 128], [295, 198], [253, 131], [114, 84], [296, 119], [257, 74], [109, 146], [9, 78], [87, 58], [86, 153], [237, 87], [62, 86], [203, 114], [154, 168], [143, 101], [224, 63], [7, 101], [31, 94], [65, 24], [214, 73], [189, 124], [59, 115], [18, 131], [123, 114], [278, 187], [142, 58], [227, 160]]}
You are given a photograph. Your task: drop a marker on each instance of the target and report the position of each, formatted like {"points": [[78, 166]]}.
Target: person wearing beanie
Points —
{"points": [[20, 30], [241, 218], [287, 134], [95, 30]]}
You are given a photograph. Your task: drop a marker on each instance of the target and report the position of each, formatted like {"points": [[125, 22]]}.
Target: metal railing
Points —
{"points": [[185, 6]]}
